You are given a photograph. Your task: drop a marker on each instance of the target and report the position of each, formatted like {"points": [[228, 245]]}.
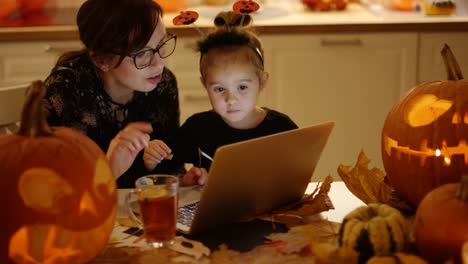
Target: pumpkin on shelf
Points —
{"points": [[60, 191], [425, 135], [441, 222], [31, 5], [397, 258], [8, 8], [374, 230]]}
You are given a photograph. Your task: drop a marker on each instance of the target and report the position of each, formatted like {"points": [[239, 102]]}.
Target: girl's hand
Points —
{"points": [[155, 152], [125, 146], [195, 176]]}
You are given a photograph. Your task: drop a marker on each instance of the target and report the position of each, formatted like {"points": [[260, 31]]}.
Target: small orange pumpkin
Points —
{"points": [[7, 8], [245, 7], [31, 5], [441, 222], [185, 18], [425, 135], [60, 191]]}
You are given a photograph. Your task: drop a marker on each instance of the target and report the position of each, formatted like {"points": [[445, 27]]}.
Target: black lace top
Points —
{"points": [[76, 98], [207, 131]]}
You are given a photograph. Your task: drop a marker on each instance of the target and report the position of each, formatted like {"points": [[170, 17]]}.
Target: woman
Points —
{"points": [[117, 90]]}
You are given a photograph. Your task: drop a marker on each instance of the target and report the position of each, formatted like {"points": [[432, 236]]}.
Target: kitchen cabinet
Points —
{"points": [[23, 62], [353, 79], [431, 64]]}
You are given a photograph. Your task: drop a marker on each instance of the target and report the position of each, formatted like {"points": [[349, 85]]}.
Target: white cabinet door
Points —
{"points": [[431, 64], [23, 62], [353, 79]]}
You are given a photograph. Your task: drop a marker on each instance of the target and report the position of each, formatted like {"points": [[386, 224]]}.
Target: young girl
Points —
{"points": [[232, 71], [117, 90]]}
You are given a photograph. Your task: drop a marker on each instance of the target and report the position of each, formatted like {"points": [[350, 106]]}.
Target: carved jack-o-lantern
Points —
{"points": [[245, 7], [60, 192], [425, 136], [185, 18]]}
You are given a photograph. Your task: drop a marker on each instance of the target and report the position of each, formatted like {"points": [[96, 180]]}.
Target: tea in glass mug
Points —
{"points": [[157, 202]]}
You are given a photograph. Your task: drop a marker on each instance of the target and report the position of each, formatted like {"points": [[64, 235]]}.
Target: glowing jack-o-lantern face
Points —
{"points": [[425, 138], [60, 194]]}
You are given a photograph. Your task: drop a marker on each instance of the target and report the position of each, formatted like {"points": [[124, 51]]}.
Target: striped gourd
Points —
{"points": [[375, 229], [398, 258]]}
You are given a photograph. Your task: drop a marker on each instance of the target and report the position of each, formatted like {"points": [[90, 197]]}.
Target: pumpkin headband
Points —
{"points": [[228, 21], [229, 37], [243, 7]]}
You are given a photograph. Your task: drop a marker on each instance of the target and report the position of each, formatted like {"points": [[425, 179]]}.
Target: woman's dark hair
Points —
{"points": [[115, 26]]}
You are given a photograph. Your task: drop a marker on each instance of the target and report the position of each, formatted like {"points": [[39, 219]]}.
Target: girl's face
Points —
{"points": [[233, 88], [126, 78]]}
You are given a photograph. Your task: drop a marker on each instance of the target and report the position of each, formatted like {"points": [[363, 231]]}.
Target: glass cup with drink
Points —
{"points": [[157, 207]]}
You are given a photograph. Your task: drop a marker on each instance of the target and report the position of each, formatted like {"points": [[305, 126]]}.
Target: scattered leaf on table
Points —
{"points": [[326, 253], [259, 255], [311, 204], [369, 184], [127, 222], [298, 237], [153, 256]]}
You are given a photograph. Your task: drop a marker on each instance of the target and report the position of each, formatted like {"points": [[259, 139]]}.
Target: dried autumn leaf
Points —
{"points": [[369, 184], [259, 255], [298, 237], [326, 253], [297, 213], [127, 222]]}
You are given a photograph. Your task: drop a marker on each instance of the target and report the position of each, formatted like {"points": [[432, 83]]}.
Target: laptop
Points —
{"points": [[253, 177]]}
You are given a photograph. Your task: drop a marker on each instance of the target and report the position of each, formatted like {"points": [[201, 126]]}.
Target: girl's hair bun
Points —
{"points": [[230, 20]]}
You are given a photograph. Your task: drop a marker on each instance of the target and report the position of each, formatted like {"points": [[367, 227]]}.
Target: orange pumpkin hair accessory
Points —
{"points": [[187, 18], [244, 7]]}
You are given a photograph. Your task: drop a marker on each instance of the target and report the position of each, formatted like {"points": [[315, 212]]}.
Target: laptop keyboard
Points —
{"points": [[186, 214]]}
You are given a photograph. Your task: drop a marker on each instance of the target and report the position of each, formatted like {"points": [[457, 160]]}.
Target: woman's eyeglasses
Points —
{"points": [[165, 48]]}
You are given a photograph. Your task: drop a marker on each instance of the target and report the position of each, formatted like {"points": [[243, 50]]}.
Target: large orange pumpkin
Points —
{"points": [[425, 136], [59, 193], [441, 222]]}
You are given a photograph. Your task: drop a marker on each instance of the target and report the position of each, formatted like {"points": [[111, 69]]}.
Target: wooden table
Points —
{"points": [[245, 239]]}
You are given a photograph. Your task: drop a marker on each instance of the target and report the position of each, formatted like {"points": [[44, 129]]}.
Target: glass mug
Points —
{"points": [[157, 202]]}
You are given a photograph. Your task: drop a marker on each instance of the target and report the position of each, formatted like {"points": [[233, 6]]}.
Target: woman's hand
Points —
{"points": [[125, 146], [155, 152], [195, 176]]}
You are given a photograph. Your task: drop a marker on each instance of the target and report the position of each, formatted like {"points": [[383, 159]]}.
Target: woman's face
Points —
{"points": [[126, 78]]}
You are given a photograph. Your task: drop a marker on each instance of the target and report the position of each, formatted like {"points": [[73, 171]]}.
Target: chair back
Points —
{"points": [[11, 103]]}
